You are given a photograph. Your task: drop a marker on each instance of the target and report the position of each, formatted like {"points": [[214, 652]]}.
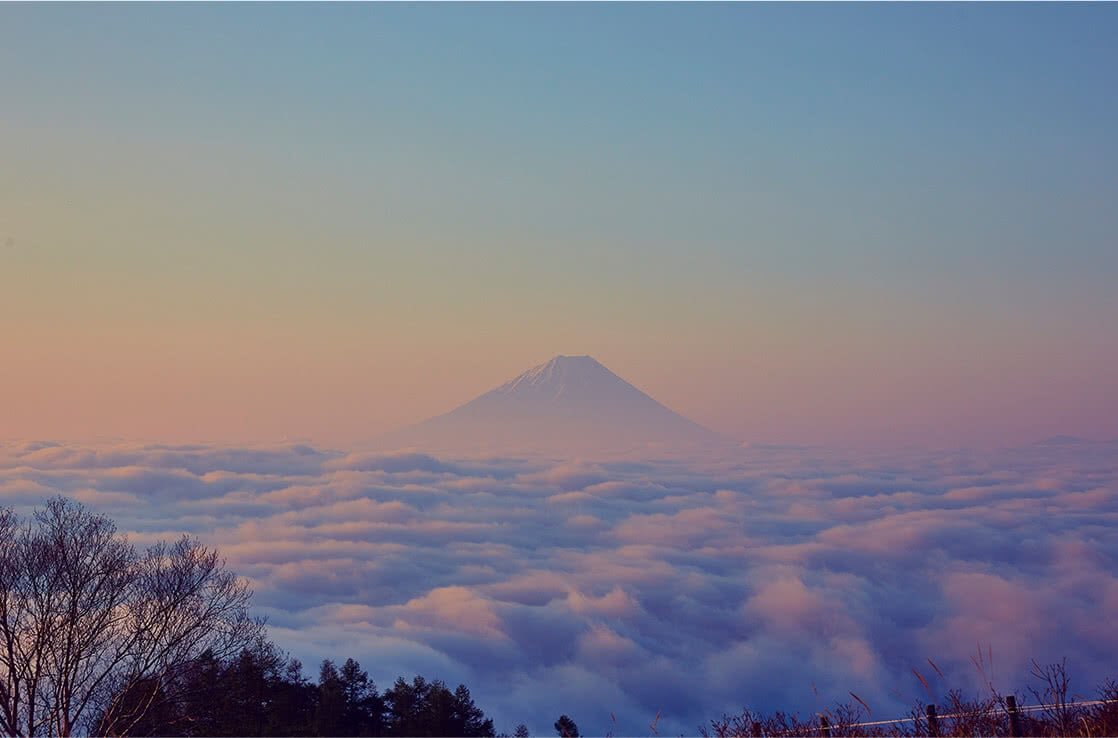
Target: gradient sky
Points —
{"points": [[817, 223]]}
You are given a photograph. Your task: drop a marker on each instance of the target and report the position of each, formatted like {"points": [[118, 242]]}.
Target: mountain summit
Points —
{"points": [[571, 404]]}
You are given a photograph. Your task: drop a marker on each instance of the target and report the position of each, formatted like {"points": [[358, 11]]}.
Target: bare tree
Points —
{"points": [[1055, 684], [86, 618]]}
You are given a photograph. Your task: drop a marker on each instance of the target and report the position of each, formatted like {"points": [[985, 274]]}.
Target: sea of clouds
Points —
{"points": [[780, 578]]}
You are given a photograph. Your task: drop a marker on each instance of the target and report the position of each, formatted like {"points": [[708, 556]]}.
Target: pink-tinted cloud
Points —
{"points": [[682, 586]]}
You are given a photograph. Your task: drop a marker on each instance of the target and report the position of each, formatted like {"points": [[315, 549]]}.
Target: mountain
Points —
{"points": [[571, 404]]}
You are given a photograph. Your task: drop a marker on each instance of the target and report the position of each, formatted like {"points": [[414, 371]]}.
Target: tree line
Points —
{"points": [[261, 692]]}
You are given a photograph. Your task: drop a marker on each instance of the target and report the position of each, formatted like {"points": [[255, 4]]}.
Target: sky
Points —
{"points": [[791, 223]]}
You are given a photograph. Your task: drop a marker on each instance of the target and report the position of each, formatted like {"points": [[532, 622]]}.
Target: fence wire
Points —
{"points": [[1004, 711]]}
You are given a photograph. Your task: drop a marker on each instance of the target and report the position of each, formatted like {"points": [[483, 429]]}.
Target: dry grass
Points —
{"points": [[1050, 708]]}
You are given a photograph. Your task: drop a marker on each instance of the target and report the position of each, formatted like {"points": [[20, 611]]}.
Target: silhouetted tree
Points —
{"points": [[364, 709], [294, 703], [521, 731], [248, 684], [468, 719], [202, 697], [330, 712], [403, 703], [93, 633], [145, 707], [425, 708], [566, 728]]}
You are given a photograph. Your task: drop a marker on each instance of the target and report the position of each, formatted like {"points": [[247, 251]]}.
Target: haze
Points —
{"points": [[627, 361], [829, 224]]}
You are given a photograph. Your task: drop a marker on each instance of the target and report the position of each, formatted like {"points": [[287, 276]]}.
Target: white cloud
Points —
{"points": [[629, 588]]}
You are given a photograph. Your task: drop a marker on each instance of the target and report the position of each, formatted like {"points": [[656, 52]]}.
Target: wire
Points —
{"points": [[949, 716]]}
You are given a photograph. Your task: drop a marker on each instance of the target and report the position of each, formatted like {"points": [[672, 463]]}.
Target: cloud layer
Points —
{"points": [[783, 578]]}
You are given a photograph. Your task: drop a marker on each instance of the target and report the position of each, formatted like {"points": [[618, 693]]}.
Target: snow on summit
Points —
{"points": [[556, 374], [570, 404]]}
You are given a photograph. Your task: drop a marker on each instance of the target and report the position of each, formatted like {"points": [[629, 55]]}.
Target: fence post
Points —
{"points": [[824, 726], [1014, 716], [755, 730], [933, 721]]}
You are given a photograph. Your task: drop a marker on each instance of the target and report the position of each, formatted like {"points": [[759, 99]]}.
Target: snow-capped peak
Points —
{"points": [[558, 373], [565, 403]]}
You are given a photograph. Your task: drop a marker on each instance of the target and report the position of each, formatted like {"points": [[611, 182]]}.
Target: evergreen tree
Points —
{"points": [[363, 711], [143, 709], [438, 715], [330, 711], [403, 705], [261, 692], [294, 703], [424, 708], [245, 692], [201, 702], [566, 728], [469, 718]]}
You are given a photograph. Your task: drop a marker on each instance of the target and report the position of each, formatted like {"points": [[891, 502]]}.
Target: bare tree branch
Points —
{"points": [[85, 618]]}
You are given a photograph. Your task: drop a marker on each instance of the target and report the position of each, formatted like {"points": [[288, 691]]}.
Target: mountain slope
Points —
{"points": [[571, 404]]}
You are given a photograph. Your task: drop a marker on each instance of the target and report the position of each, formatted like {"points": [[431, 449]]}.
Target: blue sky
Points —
{"points": [[630, 180]]}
